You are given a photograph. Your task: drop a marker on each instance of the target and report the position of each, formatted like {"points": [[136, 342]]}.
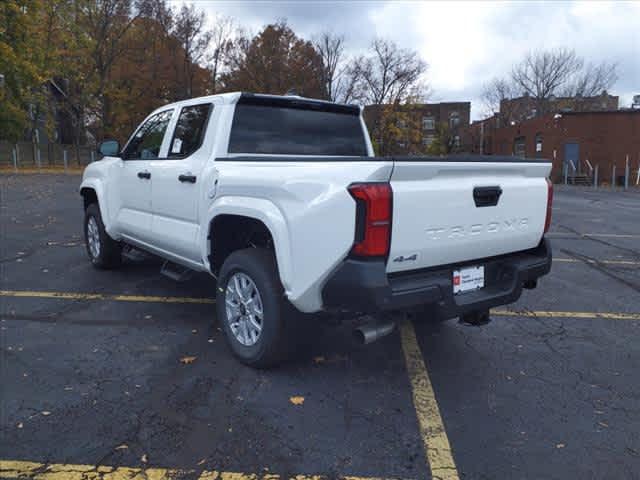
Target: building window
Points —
{"points": [[401, 124], [538, 144], [519, 147], [428, 123], [454, 119], [427, 140]]}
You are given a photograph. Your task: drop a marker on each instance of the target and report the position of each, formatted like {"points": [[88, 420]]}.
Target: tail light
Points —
{"points": [[547, 222], [373, 219]]}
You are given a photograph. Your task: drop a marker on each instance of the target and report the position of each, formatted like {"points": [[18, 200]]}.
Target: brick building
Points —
{"points": [[525, 108], [427, 117], [579, 140]]}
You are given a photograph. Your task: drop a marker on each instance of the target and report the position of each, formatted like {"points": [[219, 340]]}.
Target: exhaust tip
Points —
{"points": [[366, 334], [359, 336]]}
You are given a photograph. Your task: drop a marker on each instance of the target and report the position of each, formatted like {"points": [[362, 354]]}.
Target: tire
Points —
{"points": [[108, 253], [255, 268]]}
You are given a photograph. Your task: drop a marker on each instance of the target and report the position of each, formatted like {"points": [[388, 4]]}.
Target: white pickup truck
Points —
{"points": [[282, 199]]}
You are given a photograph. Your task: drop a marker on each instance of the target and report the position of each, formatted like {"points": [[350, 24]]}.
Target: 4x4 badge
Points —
{"points": [[402, 258]]}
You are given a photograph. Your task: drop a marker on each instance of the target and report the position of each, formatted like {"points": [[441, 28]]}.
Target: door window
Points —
{"points": [[190, 130], [146, 143]]}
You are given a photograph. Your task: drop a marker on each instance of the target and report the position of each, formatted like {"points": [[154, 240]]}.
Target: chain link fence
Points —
{"points": [[30, 155]]}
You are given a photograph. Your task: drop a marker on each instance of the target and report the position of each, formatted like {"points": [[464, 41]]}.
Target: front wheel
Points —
{"points": [[103, 251], [253, 312]]}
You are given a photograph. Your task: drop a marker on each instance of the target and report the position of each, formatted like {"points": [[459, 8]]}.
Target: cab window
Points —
{"points": [[190, 130], [146, 143]]}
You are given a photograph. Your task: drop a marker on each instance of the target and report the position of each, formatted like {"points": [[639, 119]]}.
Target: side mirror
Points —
{"points": [[109, 148]]}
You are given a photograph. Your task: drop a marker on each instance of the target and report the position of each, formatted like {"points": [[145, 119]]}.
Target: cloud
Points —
{"points": [[466, 43]]}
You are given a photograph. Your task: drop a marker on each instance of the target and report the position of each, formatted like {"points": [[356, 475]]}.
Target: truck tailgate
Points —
{"points": [[450, 211]]}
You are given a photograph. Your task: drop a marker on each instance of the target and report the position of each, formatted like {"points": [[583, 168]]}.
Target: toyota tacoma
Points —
{"points": [[283, 201]]}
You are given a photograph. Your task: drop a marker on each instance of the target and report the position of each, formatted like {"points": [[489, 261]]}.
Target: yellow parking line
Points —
{"points": [[596, 235], [606, 262], [66, 471], [434, 435], [610, 235], [556, 314], [103, 296], [200, 300]]}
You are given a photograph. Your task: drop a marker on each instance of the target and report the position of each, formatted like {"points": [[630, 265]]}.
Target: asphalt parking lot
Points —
{"points": [[125, 374]]}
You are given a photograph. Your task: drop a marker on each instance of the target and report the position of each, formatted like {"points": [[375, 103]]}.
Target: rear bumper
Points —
{"points": [[364, 286]]}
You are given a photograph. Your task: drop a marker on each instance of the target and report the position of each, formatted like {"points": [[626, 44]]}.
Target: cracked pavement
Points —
{"points": [[100, 382]]}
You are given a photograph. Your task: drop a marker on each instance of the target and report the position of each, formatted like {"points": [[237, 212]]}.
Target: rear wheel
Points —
{"points": [[252, 309], [103, 251]]}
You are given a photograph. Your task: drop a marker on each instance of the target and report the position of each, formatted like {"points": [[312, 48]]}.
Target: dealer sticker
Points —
{"points": [[468, 279]]}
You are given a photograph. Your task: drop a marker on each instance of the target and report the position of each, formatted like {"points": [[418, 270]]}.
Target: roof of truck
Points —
{"points": [[234, 97]]}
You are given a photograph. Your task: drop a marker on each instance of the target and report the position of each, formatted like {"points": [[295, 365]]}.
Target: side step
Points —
{"points": [[135, 255], [176, 272]]}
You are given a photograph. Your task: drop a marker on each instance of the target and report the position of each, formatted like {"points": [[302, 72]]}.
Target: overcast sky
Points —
{"points": [[465, 43]]}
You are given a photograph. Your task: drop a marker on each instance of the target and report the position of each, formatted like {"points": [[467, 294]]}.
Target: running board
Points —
{"points": [[176, 272], [134, 255]]}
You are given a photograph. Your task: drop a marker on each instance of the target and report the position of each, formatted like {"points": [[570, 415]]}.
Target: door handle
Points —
{"points": [[144, 174], [187, 177]]}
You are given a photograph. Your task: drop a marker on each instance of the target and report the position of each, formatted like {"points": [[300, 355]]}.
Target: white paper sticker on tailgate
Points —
{"points": [[468, 279]]}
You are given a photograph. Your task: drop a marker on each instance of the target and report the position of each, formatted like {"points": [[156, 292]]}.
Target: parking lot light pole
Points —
{"points": [[613, 177], [626, 173], [595, 177]]}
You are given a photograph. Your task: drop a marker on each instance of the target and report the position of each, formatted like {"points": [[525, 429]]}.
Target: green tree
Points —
{"points": [[20, 63]]}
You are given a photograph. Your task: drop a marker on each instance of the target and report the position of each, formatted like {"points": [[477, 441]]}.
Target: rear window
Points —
{"points": [[283, 130]]}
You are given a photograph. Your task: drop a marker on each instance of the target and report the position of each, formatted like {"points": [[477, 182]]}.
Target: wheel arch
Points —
{"points": [[92, 192], [235, 223]]}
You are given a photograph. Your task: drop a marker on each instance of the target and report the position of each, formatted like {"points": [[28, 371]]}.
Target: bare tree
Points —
{"points": [[494, 96], [592, 80], [541, 74], [331, 48], [388, 74], [189, 30], [220, 43], [546, 74]]}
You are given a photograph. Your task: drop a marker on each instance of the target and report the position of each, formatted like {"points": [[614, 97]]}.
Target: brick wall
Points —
{"points": [[602, 138]]}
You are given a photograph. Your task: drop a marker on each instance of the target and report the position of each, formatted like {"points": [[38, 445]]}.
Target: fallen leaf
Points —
{"points": [[20, 425], [194, 331], [188, 360], [210, 340], [124, 446], [560, 445], [45, 413], [202, 461], [144, 459], [297, 400], [147, 317], [602, 424], [319, 359]]}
